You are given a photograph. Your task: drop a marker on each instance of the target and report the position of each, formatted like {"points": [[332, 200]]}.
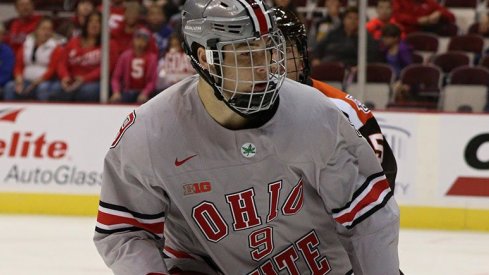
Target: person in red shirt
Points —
{"points": [[79, 67], [384, 16], [35, 65], [421, 15], [125, 32], [134, 77], [116, 16], [23, 25]]}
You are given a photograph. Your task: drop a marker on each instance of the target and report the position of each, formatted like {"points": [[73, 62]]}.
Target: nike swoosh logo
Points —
{"points": [[180, 162]]}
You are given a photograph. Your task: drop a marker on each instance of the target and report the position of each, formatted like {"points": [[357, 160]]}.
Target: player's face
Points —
{"points": [[246, 67]]}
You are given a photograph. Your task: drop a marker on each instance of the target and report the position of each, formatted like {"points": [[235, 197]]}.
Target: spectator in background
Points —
{"points": [[79, 67], [341, 44], [483, 28], [117, 10], [175, 66], [23, 25], [398, 55], [74, 25], [134, 77], [158, 24], [384, 17], [125, 32], [396, 52], [35, 65], [322, 24], [421, 15], [7, 61], [169, 7]]}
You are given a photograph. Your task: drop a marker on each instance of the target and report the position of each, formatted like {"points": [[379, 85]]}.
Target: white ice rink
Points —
{"points": [[43, 245]]}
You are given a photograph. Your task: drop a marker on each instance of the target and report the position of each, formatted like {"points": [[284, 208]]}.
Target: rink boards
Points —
{"points": [[51, 159]]}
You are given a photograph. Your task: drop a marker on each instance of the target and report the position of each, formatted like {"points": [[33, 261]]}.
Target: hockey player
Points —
{"points": [[361, 117], [240, 180]]}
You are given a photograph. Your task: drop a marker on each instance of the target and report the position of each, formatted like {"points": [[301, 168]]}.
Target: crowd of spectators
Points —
{"points": [[51, 58], [59, 59]]}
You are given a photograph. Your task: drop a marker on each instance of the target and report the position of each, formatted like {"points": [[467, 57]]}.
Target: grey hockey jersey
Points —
{"points": [[302, 194]]}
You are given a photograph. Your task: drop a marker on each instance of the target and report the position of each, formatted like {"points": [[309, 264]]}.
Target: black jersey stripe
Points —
{"points": [[371, 211], [133, 213], [359, 191], [124, 229]]}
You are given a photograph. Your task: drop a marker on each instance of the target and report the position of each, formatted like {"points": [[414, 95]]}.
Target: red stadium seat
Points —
{"points": [[377, 92], [417, 58], [425, 83], [470, 43], [424, 43], [451, 60], [467, 89]]}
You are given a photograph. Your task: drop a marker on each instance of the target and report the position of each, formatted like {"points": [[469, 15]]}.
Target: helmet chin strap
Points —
{"points": [[204, 73]]}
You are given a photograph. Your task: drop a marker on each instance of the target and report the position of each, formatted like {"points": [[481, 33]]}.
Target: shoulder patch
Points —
{"points": [[130, 119]]}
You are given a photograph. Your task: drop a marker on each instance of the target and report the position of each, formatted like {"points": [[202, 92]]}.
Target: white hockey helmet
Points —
{"points": [[238, 25]]}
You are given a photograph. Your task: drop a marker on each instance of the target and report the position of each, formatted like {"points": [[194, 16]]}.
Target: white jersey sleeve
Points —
{"points": [[131, 212], [366, 214]]}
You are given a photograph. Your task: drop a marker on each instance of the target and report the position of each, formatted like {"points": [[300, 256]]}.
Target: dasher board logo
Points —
{"points": [[33, 156], [478, 159], [9, 115], [27, 144]]}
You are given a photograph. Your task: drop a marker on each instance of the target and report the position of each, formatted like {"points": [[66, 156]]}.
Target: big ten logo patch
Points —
{"points": [[197, 188]]}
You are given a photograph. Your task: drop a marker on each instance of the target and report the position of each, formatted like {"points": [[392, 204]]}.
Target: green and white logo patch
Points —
{"points": [[248, 150]]}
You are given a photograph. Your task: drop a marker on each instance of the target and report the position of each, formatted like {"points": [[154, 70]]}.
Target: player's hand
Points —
{"points": [[142, 98]]}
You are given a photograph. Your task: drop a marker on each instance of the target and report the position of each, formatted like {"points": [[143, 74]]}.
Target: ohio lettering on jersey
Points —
{"points": [[245, 216]]}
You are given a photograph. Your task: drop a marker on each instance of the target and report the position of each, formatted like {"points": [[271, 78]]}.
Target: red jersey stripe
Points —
{"points": [[178, 254], [372, 197], [109, 219]]}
